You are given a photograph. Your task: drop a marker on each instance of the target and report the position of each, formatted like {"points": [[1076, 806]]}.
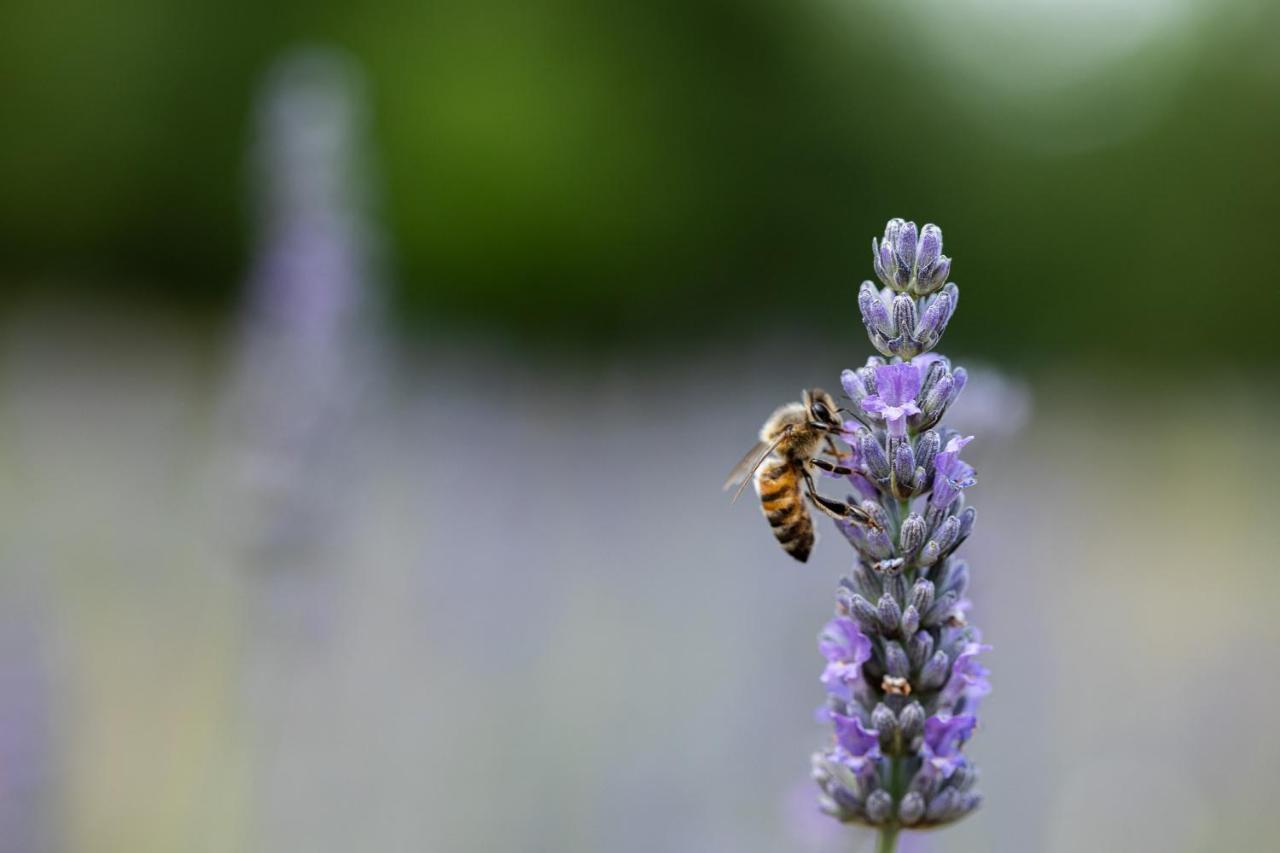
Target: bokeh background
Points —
{"points": [[368, 373]]}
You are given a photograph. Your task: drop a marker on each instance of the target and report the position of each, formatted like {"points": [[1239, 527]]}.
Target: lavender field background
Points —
{"points": [[537, 624], [366, 389]]}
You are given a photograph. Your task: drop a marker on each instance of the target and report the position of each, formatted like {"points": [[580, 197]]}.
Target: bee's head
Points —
{"points": [[822, 410]]}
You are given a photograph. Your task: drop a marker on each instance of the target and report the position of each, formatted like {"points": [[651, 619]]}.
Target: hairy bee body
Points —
{"points": [[779, 486], [777, 464]]}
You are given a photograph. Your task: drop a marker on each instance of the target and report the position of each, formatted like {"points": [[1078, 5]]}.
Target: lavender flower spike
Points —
{"points": [[910, 314], [903, 677]]}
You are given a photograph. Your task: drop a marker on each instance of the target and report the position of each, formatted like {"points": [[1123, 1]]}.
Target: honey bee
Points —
{"points": [[780, 466]]}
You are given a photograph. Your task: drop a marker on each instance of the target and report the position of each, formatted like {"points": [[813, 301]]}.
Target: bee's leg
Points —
{"points": [[839, 510], [839, 470], [834, 451]]}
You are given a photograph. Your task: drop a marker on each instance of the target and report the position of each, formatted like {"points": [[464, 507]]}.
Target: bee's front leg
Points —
{"points": [[835, 452], [839, 470]]}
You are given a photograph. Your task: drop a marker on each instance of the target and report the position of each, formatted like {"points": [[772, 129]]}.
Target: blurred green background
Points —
{"points": [[628, 173], [368, 373]]}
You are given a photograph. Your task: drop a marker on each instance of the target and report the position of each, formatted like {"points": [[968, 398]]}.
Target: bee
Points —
{"points": [[780, 466]]}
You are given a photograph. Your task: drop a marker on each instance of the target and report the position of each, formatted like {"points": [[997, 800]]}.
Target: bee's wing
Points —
{"points": [[745, 466], [741, 473]]}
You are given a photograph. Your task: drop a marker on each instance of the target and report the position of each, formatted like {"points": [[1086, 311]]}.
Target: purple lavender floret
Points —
{"points": [[897, 386], [846, 650], [903, 677]]}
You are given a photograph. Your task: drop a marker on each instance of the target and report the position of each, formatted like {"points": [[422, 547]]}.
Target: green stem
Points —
{"points": [[889, 832]]}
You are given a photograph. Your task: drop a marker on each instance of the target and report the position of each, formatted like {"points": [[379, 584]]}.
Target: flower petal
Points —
{"points": [[852, 737], [897, 383]]}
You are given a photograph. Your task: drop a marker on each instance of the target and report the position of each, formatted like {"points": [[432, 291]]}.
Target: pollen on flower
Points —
{"points": [[897, 686]]}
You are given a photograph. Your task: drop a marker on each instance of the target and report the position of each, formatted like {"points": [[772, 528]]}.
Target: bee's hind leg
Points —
{"points": [[839, 510]]}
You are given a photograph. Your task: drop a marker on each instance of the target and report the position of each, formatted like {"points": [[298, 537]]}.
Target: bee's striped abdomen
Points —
{"points": [[778, 484]]}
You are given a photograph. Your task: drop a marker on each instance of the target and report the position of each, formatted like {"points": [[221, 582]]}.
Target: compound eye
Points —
{"points": [[821, 412]]}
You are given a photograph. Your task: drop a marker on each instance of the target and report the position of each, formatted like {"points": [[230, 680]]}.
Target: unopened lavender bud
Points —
{"points": [[895, 585], [942, 805], [934, 673], [929, 553], [861, 580], [873, 454], [828, 806], [938, 368], [958, 578], [932, 267], [935, 402], [879, 806], [876, 543], [927, 447], [958, 379], [922, 595], [930, 246], [890, 613], [953, 294], [964, 777], [879, 518], [904, 315], [865, 614], [874, 313], [930, 278], [885, 722], [911, 809], [926, 784], [867, 373], [947, 533], [857, 786], [910, 621], [920, 648], [884, 261], [881, 342], [912, 534], [904, 246], [934, 320], [904, 464], [896, 661], [911, 722], [941, 609], [852, 384], [967, 518]]}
